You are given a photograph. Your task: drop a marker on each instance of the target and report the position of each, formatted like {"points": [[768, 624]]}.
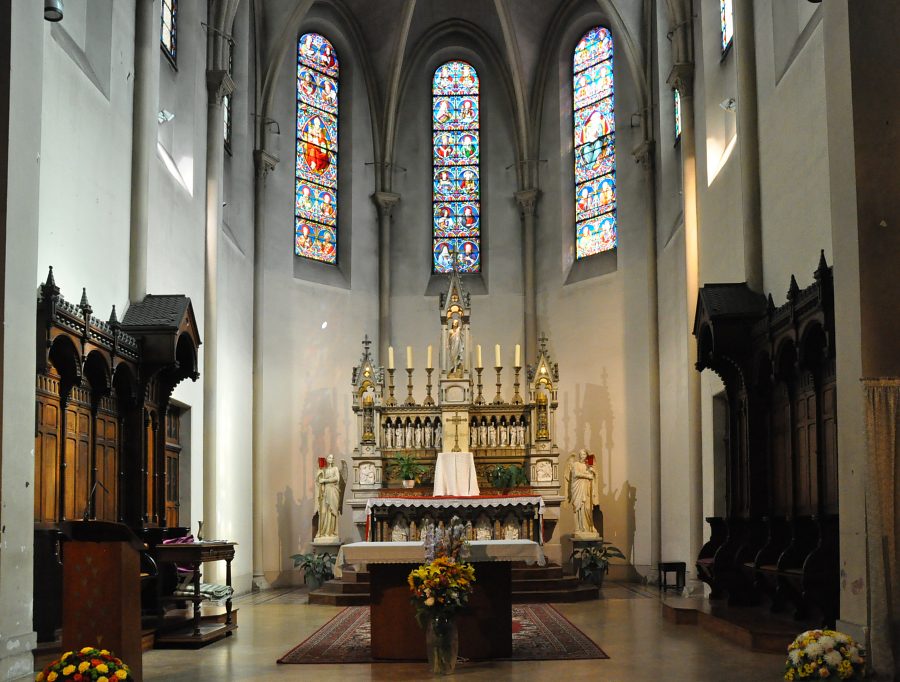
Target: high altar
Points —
{"points": [[501, 429]]}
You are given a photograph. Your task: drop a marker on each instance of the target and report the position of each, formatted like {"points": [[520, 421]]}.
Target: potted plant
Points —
{"points": [[408, 469], [317, 568], [89, 663], [594, 560], [505, 477]]}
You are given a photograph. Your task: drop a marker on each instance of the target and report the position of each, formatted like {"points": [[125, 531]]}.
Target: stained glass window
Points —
{"points": [[595, 144], [167, 31], [727, 12], [227, 102], [677, 96], [315, 205], [456, 181]]}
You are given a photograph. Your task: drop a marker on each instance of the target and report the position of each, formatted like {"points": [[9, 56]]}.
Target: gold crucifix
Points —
{"points": [[455, 420]]}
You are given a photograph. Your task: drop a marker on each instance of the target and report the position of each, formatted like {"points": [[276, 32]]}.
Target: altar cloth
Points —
{"points": [[454, 474], [414, 552]]}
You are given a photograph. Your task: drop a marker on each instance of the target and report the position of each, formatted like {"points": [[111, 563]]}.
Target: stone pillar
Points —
{"points": [[218, 84], [384, 203], [264, 163], [527, 200], [682, 78], [748, 142], [21, 68], [143, 139]]}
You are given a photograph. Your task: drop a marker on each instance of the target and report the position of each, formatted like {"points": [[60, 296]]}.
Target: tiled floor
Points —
{"points": [[627, 623]]}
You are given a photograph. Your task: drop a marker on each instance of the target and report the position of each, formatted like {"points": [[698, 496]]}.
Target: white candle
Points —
{"points": [[390, 357], [409, 364], [518, 362], [497, 355], [429, 365], [478, 348]]}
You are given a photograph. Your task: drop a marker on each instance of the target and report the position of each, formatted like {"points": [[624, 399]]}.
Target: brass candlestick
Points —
{"points": [[498, 399], [429, 401], [409, 386], [479, 400], [517, 399], [391, 400]]}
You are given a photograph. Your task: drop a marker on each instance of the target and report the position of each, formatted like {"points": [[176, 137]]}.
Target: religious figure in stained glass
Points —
{"points": [[594, 141], [315, 210], [456, 192]]}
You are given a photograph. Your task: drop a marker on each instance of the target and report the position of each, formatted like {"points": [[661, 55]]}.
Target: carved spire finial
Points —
{"points": [[85, 305], [113, 319], [793, 290]]}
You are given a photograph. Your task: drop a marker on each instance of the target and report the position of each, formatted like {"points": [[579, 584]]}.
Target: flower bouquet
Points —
{"points": [[87, 665], [440, 589], [824, 654]]}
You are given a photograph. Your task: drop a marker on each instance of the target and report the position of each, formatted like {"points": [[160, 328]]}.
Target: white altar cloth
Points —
{"points": [[414, 552], [454, 474], [447, 502]]}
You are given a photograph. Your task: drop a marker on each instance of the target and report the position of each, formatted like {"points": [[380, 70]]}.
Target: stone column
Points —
{"points": [[264, 163], [682, 78], [21, 68], [527, 200], [384, 203], [143, 139], [218, 84], [748, 142]]}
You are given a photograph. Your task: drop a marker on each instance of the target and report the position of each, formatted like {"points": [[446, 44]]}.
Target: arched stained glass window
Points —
{"points": [[167, 32], [456, 180], [727, 14], [315, 205], [595, 144]]}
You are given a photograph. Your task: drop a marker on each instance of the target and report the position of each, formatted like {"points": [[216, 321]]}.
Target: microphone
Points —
{"points": [[87, 506]]}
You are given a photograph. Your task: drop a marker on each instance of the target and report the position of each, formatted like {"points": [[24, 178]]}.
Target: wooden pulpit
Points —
{"points": [[102, 590]]}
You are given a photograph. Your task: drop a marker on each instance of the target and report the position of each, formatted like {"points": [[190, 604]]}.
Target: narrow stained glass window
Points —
{"points": [[167, 31], [315, 205], [677, 96], [595, 144], [727, 12], [227, 102], [457, 192]]}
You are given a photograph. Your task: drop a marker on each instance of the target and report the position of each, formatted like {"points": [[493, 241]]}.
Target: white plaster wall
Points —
{"points": [[312, 332]]}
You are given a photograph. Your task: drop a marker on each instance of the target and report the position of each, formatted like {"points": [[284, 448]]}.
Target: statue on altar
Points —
{"points": [[582, 493], [330, 484], [456, 349]]}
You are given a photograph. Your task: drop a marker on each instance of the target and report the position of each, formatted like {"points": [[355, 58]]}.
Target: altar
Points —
{"points": [[485, 627]]}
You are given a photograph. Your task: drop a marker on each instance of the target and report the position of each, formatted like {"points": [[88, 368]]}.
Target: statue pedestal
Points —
{"points": [[323, 544]]}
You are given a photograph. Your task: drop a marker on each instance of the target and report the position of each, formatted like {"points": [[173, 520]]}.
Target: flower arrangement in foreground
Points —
{"points": [[88, 664], [824, 654]]}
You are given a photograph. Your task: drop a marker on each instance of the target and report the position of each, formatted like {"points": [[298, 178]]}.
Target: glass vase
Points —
{"points": [[441, 644]]}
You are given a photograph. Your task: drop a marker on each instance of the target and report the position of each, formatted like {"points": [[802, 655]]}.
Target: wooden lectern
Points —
{"points": [[102, 589]]}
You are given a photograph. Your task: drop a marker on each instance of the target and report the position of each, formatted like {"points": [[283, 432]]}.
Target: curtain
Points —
{"points": [[883, 521]]}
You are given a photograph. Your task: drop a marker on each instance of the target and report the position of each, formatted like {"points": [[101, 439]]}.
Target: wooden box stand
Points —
{"points": [[102, 590]]}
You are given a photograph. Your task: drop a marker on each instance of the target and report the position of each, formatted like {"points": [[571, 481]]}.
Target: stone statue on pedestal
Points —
{"points": [[482, 434], [330, 484], [426, 436], [456, 349], [438, 436], [581, 491], [399, 436]]}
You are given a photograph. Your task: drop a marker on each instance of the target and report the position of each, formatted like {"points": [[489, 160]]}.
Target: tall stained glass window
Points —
{"points": [[595, 144], [456, 180], [227, 102], [677, 96], [315, 205], [167, 29], [727, 13]]}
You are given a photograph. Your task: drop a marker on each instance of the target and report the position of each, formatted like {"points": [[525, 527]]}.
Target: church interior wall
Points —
{"points": [[312, 330]]}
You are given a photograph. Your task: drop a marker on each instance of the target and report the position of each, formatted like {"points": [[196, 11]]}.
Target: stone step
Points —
{"points": [[351, 576], [338, 599], [536, 572], [564, 583], [342, 587], [580, 593]]}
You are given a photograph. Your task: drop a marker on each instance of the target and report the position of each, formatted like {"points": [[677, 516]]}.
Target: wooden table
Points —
{"points": [[193, 555], [485, 627]]}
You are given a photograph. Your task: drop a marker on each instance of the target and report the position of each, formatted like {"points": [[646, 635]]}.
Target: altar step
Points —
{"points": [[530, 584]]}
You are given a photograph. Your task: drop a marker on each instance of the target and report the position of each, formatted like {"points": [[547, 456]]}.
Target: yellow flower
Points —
{"points": [[65, 656], [68, 670], [103, 678], [121, 674], [84, 665], [104, 652], [52, 676], [102, 668], [39, 677], [87, 649]]}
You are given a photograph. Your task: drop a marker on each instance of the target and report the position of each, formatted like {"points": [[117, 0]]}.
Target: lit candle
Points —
{"points": [[518, 362], [429, 365], [497, 355], [478, 348], [390, 357], [409, 364]]}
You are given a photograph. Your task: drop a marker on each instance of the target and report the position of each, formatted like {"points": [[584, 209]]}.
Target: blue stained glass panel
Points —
{"points": [[455, 148], [467, 250], [727, 16], [315, 196], [455, 112], [456, 183], [594, 125], [677, 115], [457, 218], [455, 78]]}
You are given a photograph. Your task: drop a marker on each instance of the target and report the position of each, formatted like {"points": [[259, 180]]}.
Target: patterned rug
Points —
{"points": [[540, 633]]}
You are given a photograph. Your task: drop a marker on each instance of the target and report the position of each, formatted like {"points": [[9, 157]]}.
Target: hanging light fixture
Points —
{"points": [[53, 10]]}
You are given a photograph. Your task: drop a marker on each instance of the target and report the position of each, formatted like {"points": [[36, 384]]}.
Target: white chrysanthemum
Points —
{"points": [[852, 651], [841, 638], [794, 655], [814, 650], [833, 658], [827, 642]]}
